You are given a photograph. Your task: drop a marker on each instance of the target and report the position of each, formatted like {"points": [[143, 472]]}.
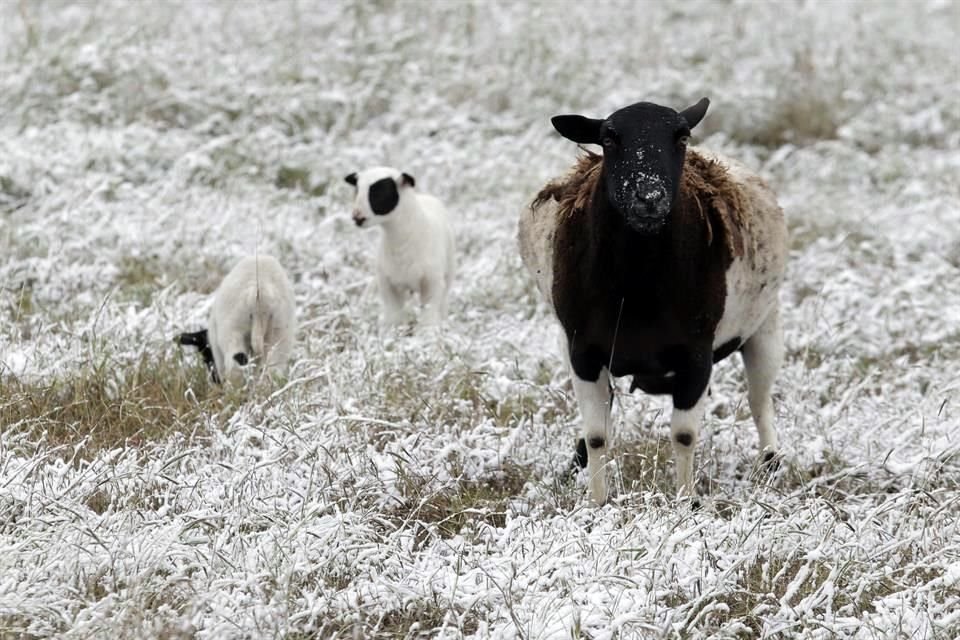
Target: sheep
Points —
{"points": [[252, 319], [658, 262], [417, 245]]}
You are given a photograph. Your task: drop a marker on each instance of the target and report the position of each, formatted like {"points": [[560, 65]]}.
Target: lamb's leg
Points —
{"points": [[433, 300], [762, 356], [593, 399], [691, 386], [392, 299]]}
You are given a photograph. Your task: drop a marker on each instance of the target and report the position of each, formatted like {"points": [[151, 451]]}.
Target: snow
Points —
{"points": [[154, 134]]}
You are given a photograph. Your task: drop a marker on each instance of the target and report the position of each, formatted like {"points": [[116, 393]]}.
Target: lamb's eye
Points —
{"points": [[683, 140], [608, 142]]}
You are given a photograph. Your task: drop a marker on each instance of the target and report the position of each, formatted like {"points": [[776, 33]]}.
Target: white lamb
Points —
{"points": [[252, 319], [417, 248]]}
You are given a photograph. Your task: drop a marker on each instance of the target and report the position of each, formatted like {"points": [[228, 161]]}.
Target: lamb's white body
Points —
{"points": [[253, 314], [416, 249]]}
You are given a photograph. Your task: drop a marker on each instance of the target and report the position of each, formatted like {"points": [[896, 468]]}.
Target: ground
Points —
{"points": [[417, 485]]}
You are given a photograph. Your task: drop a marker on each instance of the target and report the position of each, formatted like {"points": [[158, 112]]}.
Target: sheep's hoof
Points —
{"points": [[695, 504], [769, 462], [580, 457], [579, 460]]}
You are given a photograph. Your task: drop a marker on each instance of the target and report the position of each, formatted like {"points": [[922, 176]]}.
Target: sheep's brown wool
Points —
{"points": [[704, 187]]}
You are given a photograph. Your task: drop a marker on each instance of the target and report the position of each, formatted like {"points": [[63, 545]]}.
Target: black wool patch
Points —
{"points": [[596, 443], [240, 359], [383, 196], [684, 438]]}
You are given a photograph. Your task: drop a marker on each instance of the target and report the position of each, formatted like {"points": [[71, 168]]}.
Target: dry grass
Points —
{"points": [[421, 621], [411, 392], [141, 277], [762, 587], [113, 404], [645, 465], [466, 502], [805, 108]]}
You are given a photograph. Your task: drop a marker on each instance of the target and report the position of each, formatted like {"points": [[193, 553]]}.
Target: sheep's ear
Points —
{"points": [[408, 180], [351, 179], [693, 115], [580, 129]]}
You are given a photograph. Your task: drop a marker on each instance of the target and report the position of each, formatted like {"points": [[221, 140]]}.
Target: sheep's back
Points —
{"points": [[558, 201], [441, 232], [756, 234], [535, 232], [255, 283]]}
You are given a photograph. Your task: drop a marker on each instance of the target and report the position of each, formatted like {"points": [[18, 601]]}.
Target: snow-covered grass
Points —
{"points": [[419, 486]]}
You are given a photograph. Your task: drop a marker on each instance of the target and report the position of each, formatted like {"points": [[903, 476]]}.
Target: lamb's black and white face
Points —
{"points": [[379, 191], [644, 146]]}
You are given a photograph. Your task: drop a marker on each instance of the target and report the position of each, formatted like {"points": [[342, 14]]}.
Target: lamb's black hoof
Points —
{"points": [[695, 504]]}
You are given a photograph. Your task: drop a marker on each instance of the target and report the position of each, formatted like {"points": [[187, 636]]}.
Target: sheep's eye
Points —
{"points": [[608, 142], [683, 139]]}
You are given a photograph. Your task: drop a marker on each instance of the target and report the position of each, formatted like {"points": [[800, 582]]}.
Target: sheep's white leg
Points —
{"points": [[433, 301], [392, 299], [762, 356], [685, 431], [593, 399], [689, 404]]}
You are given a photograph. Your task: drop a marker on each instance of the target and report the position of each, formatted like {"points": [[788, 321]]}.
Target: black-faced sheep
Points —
{"points": [[658, 261], [252, 320], [417, 248]]}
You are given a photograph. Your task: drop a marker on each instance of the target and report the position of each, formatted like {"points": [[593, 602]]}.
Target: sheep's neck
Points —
{"points": [[653, 290], [627, 259]]}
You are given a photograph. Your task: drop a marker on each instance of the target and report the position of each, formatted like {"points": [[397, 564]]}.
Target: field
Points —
{"points": [[418, 486]]}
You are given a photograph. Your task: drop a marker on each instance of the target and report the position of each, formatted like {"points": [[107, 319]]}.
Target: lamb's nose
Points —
{"points": [[358, 218]]}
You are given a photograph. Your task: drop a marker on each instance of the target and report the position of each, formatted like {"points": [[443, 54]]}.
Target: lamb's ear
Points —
{"points": [[351, 179], [693, 115], [578, 128], [408, 180]]}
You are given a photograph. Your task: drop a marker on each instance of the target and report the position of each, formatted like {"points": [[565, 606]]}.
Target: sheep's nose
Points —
{"points": [[653, 200], [358, 218], [650, 197]]}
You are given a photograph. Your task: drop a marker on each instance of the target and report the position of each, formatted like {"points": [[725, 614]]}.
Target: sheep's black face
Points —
{"points": [[644, 146]]}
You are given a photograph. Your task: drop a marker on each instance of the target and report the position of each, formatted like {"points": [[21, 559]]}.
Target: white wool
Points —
{"points": [[417, 252], [253, 313]]}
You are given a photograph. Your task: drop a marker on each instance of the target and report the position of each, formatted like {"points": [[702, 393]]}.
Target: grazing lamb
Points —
{"points": [[252, 319], [658, 261], [417, 249]]}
